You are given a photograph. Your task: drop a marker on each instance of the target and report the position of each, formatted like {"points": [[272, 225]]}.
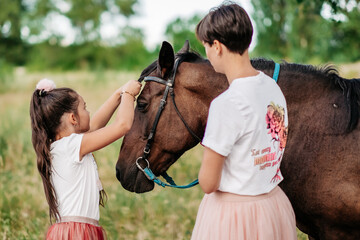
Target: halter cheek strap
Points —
{"points": [[144, 159]]}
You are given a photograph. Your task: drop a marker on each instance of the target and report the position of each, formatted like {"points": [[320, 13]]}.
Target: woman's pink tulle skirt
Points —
{"points": [[75, 230], [226, 216]]}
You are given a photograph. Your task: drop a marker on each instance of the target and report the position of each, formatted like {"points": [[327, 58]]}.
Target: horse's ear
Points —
{"points": [[185, 48], [166, 59]]}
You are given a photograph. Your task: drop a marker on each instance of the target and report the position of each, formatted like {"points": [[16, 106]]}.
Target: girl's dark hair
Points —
{"points": [[46, 110], [229, 24]]}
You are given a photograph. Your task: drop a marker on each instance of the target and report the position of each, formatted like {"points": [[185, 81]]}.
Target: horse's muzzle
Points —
{"points": [[133, 180]]}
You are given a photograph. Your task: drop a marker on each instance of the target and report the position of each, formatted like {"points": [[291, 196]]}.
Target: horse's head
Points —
{"points": [[188, 97]]}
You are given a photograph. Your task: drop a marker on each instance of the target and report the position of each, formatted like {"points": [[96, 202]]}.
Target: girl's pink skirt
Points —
{"points": [[79, 228], [223, 216]]}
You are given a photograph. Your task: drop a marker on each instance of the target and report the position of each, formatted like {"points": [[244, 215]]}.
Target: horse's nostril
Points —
{"points": [[118, 174]]}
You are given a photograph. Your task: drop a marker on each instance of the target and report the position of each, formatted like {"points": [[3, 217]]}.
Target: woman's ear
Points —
{"points": [[218, 47]]}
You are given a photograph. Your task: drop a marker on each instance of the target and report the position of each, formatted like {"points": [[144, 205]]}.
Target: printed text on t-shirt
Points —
{"points": [[266, 159]]}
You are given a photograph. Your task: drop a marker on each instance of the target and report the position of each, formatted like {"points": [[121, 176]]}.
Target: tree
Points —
{"points": [[344, 44], [22, 22], [11, 46], [301, 31], [85, 15]]}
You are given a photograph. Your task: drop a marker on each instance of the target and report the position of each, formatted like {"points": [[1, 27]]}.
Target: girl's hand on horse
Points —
{"points": [[132, 87]]}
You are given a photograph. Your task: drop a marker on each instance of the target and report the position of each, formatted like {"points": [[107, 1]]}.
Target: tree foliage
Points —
{"points": [[11, 46], [24, 31], [131, 54], [307, 30], [85, 16]]}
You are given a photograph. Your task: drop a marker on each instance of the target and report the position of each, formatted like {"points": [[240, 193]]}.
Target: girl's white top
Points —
{"points": [[248, 125], [76, 182]]}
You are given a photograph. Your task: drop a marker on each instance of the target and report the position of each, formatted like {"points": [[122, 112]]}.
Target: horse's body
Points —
{"points": [[321, 164]]}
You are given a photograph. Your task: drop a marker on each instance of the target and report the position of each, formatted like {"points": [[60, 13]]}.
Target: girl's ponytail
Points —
{"points": [[48, 104]]}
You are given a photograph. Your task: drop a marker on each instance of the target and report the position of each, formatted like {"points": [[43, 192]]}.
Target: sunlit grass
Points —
{"points": [[160, 214]]}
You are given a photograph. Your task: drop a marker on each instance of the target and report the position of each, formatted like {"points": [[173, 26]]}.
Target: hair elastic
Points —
{"points": [[45, 85], [42, 92]]}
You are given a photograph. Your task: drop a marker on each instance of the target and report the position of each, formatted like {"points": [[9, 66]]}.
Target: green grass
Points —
{"points": [[160, 214]]}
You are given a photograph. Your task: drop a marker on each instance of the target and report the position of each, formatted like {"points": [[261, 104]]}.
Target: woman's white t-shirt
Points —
{"points": [[248, 125], [76, 182]]}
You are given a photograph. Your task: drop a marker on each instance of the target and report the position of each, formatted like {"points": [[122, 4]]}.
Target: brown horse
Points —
{"points": [[321, 164]]}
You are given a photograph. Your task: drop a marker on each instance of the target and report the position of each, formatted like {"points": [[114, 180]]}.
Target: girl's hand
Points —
{"points": [[133, 87]]}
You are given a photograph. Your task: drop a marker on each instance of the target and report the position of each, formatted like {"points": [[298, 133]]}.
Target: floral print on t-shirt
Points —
{"points": [[275, 120]]}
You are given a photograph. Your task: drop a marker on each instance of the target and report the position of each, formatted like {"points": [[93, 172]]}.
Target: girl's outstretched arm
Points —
{"points": [[97, 139], [210, 170], [104, 113]]}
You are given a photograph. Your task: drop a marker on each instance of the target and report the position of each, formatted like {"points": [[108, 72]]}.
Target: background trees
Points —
{"points": [[306, 31], [30, 34]]}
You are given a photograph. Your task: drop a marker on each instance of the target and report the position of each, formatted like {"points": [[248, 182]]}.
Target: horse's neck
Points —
{"points": [[206, 85], [216, 84]]}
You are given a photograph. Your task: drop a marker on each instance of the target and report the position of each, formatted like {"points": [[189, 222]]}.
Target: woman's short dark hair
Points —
{"points": [[229, 24]]}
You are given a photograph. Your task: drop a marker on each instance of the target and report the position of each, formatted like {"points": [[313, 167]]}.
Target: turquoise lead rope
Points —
{"points": [[170, 181], [151, 176]]}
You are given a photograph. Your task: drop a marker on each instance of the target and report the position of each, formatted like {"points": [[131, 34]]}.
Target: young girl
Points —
{"points": [[63, 137], [244, 140]]}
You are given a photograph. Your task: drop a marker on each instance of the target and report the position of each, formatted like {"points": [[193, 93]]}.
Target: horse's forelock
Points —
{"points": [[147, 71], [190, 56]]}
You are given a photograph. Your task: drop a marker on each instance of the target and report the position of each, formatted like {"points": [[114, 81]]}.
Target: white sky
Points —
{"points": [[154, 15]]}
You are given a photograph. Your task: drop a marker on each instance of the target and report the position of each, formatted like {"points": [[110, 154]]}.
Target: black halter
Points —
{"points": [[168, 89]]}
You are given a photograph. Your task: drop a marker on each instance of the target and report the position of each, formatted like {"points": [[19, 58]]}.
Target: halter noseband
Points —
{"points": [[146, 170]]}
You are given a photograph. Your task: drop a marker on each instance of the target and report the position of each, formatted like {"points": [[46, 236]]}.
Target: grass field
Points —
{"points": [[160, 214]]}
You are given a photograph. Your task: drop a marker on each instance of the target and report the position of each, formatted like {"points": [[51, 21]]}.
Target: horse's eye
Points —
{"points": [[141, 106]]}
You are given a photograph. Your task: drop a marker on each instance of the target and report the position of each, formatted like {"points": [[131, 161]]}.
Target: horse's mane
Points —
{"points": [[328, 71], [349, 87]]}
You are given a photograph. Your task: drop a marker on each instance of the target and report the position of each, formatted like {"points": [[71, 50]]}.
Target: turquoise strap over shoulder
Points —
{"points": [[276, 72]]}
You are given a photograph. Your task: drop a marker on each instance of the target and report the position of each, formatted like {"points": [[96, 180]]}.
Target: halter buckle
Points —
{"points": [[162, 103], [146, 151], [143, 169]]}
